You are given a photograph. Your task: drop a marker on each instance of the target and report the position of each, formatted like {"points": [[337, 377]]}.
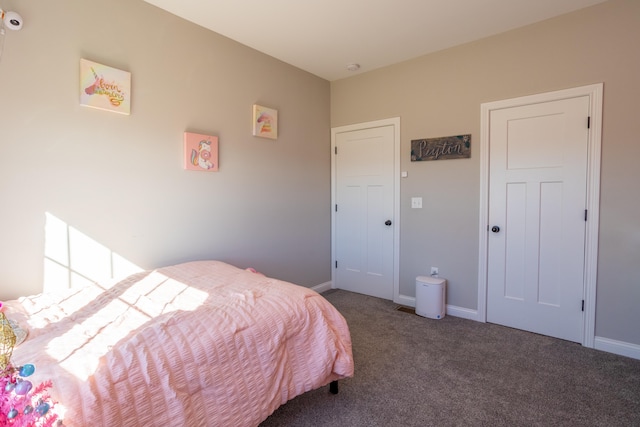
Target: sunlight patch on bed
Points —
{"points": [[118, 313]]}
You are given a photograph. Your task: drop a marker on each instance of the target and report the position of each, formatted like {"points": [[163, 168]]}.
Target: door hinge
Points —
{"points": [[335, 150], [585, 214], [589, 122], [582, 305], [336, 264], [336, 207]]}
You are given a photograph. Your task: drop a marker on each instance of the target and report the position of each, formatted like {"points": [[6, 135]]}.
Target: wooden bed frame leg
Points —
{"points": [[333, 387]]}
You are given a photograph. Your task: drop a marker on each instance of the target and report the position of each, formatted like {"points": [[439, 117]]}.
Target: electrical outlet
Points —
{"points": [[434, 271]]}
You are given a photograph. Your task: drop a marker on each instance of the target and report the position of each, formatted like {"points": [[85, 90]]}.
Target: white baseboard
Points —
{"points": [[405, 300], [452, 310], [617, 347], [322, 287], [465, 313]]}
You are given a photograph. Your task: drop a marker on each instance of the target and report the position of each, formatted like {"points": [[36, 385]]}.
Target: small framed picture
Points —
{"points": [[104, 87], [265, 122], [200, 152]]}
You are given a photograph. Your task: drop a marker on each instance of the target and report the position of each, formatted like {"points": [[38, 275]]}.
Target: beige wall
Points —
{"points": [[119, 179], [440, 94]]}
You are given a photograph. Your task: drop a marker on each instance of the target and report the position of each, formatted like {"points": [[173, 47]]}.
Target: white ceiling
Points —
{"points": [[324, 36]]}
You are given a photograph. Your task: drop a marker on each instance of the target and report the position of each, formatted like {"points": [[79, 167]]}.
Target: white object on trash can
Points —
{"points": [[430, 297]]}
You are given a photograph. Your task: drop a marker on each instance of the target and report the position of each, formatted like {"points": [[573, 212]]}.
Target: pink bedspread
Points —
{"points": [[197, 344]]}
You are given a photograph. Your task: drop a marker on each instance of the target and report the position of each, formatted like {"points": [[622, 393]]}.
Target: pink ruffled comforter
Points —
{"points": [[197, 344]]}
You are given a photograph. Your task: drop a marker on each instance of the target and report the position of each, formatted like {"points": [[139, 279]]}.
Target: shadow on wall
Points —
{"points": [[72, 259]]}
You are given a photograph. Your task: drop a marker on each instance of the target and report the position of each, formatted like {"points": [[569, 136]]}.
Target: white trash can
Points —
{"points": [[430, 297]]}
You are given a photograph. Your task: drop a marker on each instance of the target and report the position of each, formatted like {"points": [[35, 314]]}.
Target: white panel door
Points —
{"points": [[537, 201], [364, 229]]}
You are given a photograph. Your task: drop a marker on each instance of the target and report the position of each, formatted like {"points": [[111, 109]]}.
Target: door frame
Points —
{"points": [[594, 92], [395, 122]]}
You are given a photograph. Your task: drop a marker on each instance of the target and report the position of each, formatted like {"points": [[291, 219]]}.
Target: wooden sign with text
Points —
{"points": [[447, 147]]}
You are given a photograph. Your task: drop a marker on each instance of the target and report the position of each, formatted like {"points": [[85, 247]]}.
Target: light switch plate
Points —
{"points": [[416, 202]]}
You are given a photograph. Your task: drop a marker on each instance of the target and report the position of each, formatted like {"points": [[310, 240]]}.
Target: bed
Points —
{"points": [[197, 344]]}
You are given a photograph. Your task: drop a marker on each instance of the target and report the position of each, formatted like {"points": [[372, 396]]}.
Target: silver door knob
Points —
{"points": [[387, 222]]}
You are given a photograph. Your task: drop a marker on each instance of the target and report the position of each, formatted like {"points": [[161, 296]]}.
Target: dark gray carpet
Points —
{"points": [[414, 371]]}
